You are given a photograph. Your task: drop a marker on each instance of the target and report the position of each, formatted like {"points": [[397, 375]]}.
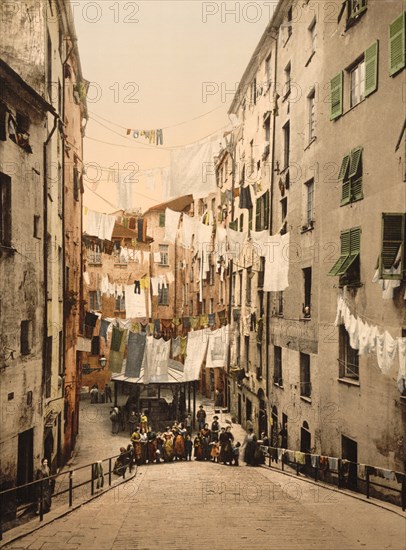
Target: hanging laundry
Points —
{"points": [[176, 321], [204, 320], [186, 323], [364, 331], [171, 225], [116, 339], [170, 277], [386, 348], [90, 319], [277, 264], [99, 225], [86, 278], [212, 320], [220, 242], [156, 360], [333, 464], [135, 305], [135, 354], [222, 315], [176, 347], [157, 328], [183, 346], [155, 286], [217, 350], [300, 458], [104, 325], [245, 198], [144, 282], [137, 287], [157, 257], [236, 240], [159, 137], [195, 355], [195, 322], [353, 333], [188, 231]]}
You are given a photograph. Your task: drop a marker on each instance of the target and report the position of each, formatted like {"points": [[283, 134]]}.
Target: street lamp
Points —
{"points": [[87, 369], [102, 361]]}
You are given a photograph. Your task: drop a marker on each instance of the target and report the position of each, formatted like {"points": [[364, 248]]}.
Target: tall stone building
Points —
{"points": [[310, 114], [36, 40]]}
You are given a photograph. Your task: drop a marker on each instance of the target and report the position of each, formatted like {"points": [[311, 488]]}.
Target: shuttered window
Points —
{"points": [[350, 175], [371, 69], [397, 45], [393, 246], [336, 96], [350, 250]]}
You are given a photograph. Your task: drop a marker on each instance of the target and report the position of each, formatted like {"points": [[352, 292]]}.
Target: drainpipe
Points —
{"points": [[231, 264], [45, 247], [271, 191]]}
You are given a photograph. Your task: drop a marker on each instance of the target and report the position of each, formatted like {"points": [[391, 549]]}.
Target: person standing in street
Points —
{"points": [[115, 420], [43, 474], [107, 394], [215, 429], [201, 417]]}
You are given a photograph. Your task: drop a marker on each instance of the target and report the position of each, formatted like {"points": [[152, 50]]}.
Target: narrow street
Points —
{"points": [[189, 505], [186, 505]]}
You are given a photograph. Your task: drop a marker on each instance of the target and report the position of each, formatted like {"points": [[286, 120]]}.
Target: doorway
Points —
{"points": [[248, 410], [284, 431], [239, 408], [274, 427], [349, 451], [25, 463], [305, 438], [262, 414]]}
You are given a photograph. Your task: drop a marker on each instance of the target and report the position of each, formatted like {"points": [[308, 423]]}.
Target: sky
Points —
{"points": [[157, 64]]}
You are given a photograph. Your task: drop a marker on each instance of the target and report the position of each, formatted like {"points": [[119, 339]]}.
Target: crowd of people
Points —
{"points": [[211, 443]]}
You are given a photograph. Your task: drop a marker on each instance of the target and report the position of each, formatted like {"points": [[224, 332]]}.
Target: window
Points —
{"points": [[211, 310], [261, 272], [94, 300], [262, 212], [284, 208], [252, 160], [357, 7], [287, 80], [203, 307], [95, 346], [279, 302], [348, 357], [240, 288], [48, 366], [60, 274], [357, 79], [286, 145], [50, 262], [268, 70], [162, 220], [392, 259], [267, 128], [309, 202], [241, 222], [307, 283], [60, 354], [397, 45], [311, 102], [253, 92], [211, 274], [49, 68], [163, 295], [363, 81], [233, 283], [313, 36], [191, 307], [348, 264], [164, 250], [248, 286], [5, 210], [120, 303], [250, 217], [305, 384], [277, 375], [350, 175], [25, 337], [95, 257]]}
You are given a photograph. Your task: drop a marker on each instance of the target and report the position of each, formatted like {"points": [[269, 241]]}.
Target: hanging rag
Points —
{"points": [[186, 323], [171, 225], [90, 319], [137, 287], [135, 354], [104, 325], [222, 315], [155, 286], [212, 319], [188, 230], [401, 377], [386, 348]]}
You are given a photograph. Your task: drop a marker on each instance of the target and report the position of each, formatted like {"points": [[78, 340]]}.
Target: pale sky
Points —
{"points": [[151, 62]]}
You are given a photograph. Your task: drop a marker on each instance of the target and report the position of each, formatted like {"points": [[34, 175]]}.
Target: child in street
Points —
{"points": [[188, 447], [236, 453], [215, 451]]}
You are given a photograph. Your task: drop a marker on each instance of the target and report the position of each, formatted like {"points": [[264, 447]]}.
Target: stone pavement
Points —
{"points": [[188, 505]]}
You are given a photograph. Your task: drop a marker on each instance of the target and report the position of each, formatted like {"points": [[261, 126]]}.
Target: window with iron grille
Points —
{"points": [[162, 220], [163, 295], [94, 299]]}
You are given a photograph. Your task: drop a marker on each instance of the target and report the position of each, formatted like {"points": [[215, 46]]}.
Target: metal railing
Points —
{"points": [[338, 476], [59, 484]]}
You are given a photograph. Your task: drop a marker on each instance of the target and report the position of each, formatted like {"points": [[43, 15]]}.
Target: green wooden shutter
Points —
{"points": [[371, 69], [233, 225], [355, 161], [393, 237], [351, 241], [397, 44], [355, 240], [344, 167], [346, 192], [345, 251], [356, 190], [336, 96]]}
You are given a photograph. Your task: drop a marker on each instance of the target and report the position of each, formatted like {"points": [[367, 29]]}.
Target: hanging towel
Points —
{"points": [[171, 225], [277, 263], [104, 325], [300, 458], [212, 319], [188, 230], [170, 278], [204, 320], [222, 315], [195, 322], [353, 333], [134, 303], [176, 347], [333, 464], [220, 242], [116, 339], [363, 333], [155, 286], [217, 348], [386, 347], [195, 354], [157, 257], [135, 354], [156, 360], [236, 240]]}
